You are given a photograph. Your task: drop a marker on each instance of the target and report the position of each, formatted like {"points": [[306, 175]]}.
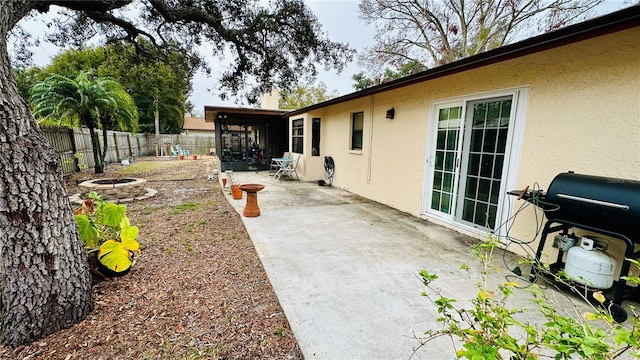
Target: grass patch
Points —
{"points": [[190, 206], [162, 170], [142, 167]]}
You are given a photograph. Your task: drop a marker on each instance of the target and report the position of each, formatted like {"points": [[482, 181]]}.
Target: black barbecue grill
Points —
{"points": [[602, 205]]}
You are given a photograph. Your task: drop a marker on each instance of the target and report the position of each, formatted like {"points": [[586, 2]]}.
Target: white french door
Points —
{"points": [[471, 159]]}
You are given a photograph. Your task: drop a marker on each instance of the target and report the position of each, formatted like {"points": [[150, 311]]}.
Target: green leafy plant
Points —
{"points": [[490, 329], [105, 230], [77, 157]]}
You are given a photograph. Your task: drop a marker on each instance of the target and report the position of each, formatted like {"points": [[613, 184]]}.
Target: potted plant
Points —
{"points": [[234, 184], [109, 238]]}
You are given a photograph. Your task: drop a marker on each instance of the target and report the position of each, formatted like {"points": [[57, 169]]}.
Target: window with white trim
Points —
{"points": [[357, 127], [297, 135]]}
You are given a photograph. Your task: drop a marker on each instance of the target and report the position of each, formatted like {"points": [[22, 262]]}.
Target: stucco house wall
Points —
{"points": [[581, 111]]}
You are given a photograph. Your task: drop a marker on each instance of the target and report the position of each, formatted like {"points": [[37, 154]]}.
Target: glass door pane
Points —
{"points": [[443, 191], [488, 124]]}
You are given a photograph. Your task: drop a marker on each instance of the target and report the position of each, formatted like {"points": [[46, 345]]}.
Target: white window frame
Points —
{"points": [[513, 153], [296, 136], [351, 130]]}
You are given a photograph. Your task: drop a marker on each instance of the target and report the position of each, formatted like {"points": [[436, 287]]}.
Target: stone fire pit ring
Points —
{"points": [[117, 189]]}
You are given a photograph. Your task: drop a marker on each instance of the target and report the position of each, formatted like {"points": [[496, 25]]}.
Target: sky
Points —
{"points": [[339, 19]]}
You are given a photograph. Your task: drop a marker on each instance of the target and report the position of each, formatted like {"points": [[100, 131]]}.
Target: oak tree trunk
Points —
{"points": [[45, 283]]}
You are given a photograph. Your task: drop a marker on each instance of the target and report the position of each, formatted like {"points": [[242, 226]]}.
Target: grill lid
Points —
{"points": [[604, 203]]}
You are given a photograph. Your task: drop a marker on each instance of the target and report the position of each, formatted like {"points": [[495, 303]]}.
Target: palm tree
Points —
{"points": [[85, 101]]}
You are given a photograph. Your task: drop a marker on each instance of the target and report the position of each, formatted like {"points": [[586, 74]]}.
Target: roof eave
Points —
{"points": [[606, 24]]}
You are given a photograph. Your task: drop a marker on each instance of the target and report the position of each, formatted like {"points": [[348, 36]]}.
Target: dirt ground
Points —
{"points": [[198, 290]]}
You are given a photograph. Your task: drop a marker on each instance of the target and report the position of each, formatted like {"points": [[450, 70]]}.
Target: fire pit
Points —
{"points": [[115, 189]]}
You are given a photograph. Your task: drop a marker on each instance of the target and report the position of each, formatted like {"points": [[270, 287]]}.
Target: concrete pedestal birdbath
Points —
{"points": [[251, 209]]}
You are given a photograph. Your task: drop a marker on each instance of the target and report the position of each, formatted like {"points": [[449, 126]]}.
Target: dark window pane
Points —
{"points": [[452, 139], [437, 180], [435, 200], [455, 112], [493, 113], [497, 167], [471, 187], [297, 145], [495, 192], [493, 210], [443, 115], [489, 144], [505, 113], [442, 137], [480, 217], [357, 121], [476, 140], [467, 211], [315, 137], [449, 160], [483, 189], [297, 132], [487, 165], [447, 182], [445, 205], [502, 141], [439, 160], [479, 114], [474, 164], [356, 140]]}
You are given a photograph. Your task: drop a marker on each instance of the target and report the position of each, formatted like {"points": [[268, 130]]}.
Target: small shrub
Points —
{"points": [[490, 329], [105, 229]]}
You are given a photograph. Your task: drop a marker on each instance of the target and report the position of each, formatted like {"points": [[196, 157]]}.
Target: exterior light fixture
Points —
{"points": [[391, 113]]}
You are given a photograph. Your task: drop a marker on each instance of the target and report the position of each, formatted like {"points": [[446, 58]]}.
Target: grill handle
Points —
{"points": [[593, 201]]}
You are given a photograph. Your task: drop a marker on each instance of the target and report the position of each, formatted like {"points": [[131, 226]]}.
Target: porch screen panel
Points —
{"points": [[442, 194], [489, 129]]}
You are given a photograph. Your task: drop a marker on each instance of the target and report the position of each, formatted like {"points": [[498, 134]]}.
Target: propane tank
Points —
{"points": [[589, 266]]}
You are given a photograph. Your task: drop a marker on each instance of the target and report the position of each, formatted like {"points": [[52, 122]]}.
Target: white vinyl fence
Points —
{"points": [[74, 146]]}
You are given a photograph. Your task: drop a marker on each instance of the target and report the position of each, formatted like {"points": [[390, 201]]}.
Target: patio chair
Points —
{"points": [[291, 170], [274, 164], [174, 151]]}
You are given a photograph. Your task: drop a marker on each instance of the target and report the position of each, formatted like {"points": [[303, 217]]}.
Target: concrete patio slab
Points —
{"points": [[345, 270]]}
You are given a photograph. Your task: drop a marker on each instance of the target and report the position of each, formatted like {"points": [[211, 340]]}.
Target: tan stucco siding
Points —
{"points": [[582, 114]]}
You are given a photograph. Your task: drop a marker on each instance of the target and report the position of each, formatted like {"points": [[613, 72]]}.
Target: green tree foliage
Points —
{"points": [[361, 81], [432, 33], [88, 101], [70, 63], [160, 81], [26, 78], [303, 96]]}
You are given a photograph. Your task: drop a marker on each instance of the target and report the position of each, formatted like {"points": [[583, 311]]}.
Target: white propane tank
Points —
{"points": [[591, 267]]}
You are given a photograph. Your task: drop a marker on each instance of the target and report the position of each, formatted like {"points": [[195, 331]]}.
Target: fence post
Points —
{"points": [[74, 149], [129, 144], [115, 143]]}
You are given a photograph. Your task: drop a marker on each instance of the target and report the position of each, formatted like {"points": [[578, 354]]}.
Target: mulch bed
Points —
{"points": [[198, 291]]}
